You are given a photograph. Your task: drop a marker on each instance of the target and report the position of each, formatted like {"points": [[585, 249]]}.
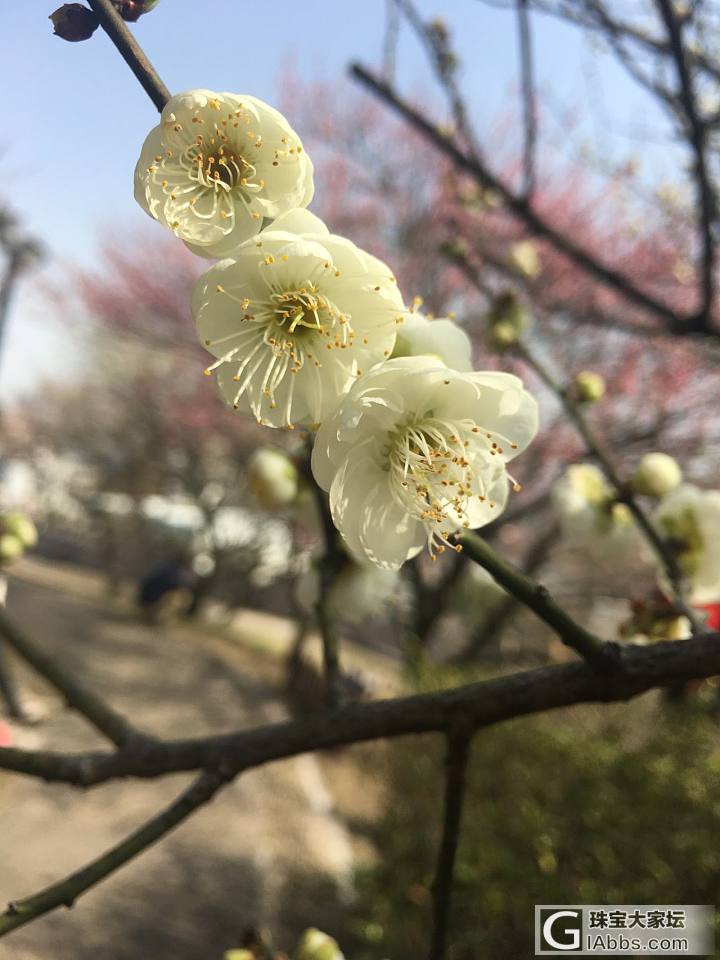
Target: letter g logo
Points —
{"points": [[559, 935]]}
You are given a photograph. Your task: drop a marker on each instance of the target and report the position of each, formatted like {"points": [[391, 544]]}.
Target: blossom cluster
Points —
{"points": [[308, 330], [686, 517]]}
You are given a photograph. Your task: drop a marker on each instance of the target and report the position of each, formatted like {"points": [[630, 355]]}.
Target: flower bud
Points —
{"points": [[524, 258], [273, 477], [588, 387], [10, 548], [73, 22], [20, 526], [507, 321], [132, 10], [657, 475], [316, 945]]}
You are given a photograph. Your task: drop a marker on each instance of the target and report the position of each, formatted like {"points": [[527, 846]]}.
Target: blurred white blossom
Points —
{"points": [[689, 518], [273, 477]]}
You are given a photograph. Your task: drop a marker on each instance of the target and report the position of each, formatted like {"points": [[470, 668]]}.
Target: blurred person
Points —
{"points": [[166, 589]]}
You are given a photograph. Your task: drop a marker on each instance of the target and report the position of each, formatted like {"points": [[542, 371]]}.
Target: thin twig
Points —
{"points": [[696, 133], [131, 51], [475, 706], [609, 276], [623, 490], [493, 623], [538, 599], [435, 38], [115, 727], [456, 760], [390, 40], [528, 96], [330, 562], [66, 891]]}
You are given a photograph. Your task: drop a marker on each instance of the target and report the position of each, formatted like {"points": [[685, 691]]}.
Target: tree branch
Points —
{"points": [[131, 51], [697, 136], [65, 892], [456, 760], [328, 567], [623, 490], [475, 706], [115, 727], [493, 624], [528, 93], [537, 598], [677, 324]]}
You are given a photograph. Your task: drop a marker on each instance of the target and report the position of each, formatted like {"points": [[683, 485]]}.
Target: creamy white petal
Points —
{"points": [[409, 459], [217, 165]]}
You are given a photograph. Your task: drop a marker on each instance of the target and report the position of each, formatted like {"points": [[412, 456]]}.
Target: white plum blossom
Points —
{"points": [[217, 165], [587, 504], [358, 591], [689, 519], [272, 477], [657, 475], [593, 520], [441, 338], [416, 452], [293, 318]]}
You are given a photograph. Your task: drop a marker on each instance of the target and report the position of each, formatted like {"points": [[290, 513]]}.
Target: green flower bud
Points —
{"points": [[657, 475], [20, 526], [11, 548], [316, 945], [273, 477], [524, 258], [507, 321], [588, 387]]}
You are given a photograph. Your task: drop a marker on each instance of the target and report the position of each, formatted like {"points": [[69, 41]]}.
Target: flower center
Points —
{"points": [[219, 168], [278, 336], [436, 467]]}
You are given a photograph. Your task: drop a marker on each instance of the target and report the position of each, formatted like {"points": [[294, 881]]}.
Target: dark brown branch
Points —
{"points": [[606, 274], [474, 706], [330, 563], [66, 891], [538, 599], [458, 748], [492, 625], [115, 727], [131, 51], [696, 133]]}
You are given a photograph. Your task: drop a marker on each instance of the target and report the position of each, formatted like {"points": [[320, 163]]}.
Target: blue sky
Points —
{"points": [[74, 116]]}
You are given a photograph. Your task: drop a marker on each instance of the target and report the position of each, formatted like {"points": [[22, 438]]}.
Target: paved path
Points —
{"points": [[268, 851]]}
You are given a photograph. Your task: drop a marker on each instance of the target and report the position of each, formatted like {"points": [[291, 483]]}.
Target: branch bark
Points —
{"points": [[680, 325], [65, 892], [475, 706], [458, 749], [110, 723], [131, 52], [537, 598]]}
